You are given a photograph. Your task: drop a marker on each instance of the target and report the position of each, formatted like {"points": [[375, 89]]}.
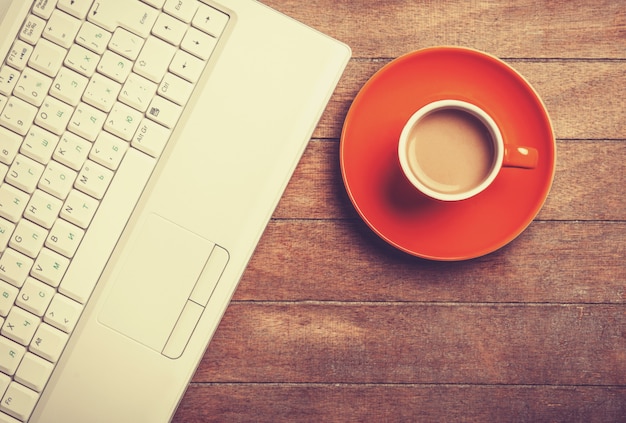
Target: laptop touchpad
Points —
{"points": [[160, 270]]}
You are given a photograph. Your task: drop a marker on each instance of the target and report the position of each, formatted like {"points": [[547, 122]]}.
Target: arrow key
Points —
{"points": [[187, 66], [198, 43], [210, 20], [169, 29], [63, 313]]}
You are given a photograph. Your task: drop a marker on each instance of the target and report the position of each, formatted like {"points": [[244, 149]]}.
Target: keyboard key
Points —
{"points": [[169, 29], [35, 296], [101, 92], [11, 354], [19, 54], [115, 66], [20, 326], [132, 15], [79, 209], [54, 115], [12, 202], [93, 179], [28, 238], [24, 173], [187, 66], [47, 57], [210, 20], [14, 267], [57, 179], [126, 43], [150, 138], [198, 43], [93, 37], [50, 267], [123, 121], [63, 313], [72, 151], [137, 92], [19, 401], [43, 209], [175, 89], [164, 112], [81, 60], [18, 115], [61, 29], [86, 121], [68, 86], [108, 150], [64, 238], [44, 8], [181, 9], [33, 372], [39, 144], [32, 87], [48, 342], [32, 29], [154, 59]]}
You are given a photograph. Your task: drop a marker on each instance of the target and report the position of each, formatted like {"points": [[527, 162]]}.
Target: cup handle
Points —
{"points": [[522, 157]]}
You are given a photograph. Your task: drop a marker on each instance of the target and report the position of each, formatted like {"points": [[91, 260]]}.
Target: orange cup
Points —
{"points": [[452, 150]]}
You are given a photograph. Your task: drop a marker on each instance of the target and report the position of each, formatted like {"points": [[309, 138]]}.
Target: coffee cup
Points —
{"points": [[452, 150]]}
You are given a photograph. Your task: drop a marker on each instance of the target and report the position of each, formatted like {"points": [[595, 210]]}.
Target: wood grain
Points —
{"points": [[551, 262], [539, 344], [330, 324], [315, 403]]}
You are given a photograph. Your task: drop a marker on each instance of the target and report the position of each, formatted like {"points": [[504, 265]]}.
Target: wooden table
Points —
{"points": [[331, 324]]}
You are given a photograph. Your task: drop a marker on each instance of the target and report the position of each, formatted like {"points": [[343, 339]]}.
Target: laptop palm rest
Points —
{"points": [[164, 282]]}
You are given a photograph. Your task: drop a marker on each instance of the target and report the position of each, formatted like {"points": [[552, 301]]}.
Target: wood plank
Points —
{"points": [[585, 99], [559, 262], [419, 343], [581, 188], [526, 28], [273, 403]]}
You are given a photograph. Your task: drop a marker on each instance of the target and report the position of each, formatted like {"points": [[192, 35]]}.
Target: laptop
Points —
{"points": [[143, 148]]}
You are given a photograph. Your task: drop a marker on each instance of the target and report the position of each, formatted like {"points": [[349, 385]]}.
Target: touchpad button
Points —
{"points": [[158, 272]]}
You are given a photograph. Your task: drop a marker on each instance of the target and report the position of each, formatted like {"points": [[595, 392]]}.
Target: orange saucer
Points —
{"points": [[391, 207]]}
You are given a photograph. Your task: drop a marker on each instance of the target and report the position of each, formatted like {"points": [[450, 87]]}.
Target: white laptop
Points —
{"points": [[143, 148]]}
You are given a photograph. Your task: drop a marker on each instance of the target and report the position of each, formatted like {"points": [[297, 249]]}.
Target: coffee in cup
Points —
{"points": [[452, 150]]}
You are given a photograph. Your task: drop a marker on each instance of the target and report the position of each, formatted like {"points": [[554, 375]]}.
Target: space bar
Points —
{"points": [[107, 226]]}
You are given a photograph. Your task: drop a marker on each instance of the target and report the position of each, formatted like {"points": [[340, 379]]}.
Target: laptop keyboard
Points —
{"points": [[89, 95]]}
